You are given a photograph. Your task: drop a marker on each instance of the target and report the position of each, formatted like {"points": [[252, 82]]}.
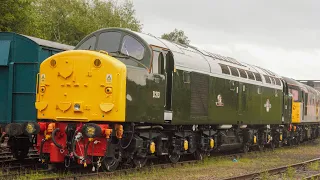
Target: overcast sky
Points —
{"points": [[283, 36]]}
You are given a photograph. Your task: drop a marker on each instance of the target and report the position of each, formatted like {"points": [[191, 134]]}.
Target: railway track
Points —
{"points": [[16, 171], [274, 171], [313, 177], [27, 169], [95, 175], [7, 157]]}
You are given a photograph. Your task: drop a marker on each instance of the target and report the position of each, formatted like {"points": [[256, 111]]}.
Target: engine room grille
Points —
{"points": [[199, 94]]}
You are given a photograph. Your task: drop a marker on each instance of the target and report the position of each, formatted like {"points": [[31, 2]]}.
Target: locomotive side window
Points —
{"points": [[186, 77], [88, 44], [277, 81], [234, 71], [224, 68], [295, 95], [267, 79], [132, 48], [259, 91], [109, 41], [158, 63], [242, 73], [232, 85], [273, 80], [250, 74], [155, 62], [258, 76]]}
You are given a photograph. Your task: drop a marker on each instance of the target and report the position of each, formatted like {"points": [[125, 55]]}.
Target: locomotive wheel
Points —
{"points": [[245, 148], [272, 145], [174, 157], [199, 155], [139, 162], [19, 147], [297, 140], [260, 147], [278, 144], [110, 164], [20, 154]]}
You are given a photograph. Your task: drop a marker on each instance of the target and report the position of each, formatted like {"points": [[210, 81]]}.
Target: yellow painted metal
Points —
{"points": [[254, 139], [185, 145], [41, 105], [92, 80], [211, 143], [106, 107], [296, 112], [30, 128], [152, 147]]}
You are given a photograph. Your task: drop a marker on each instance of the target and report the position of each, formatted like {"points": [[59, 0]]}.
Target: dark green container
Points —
{"points": [[20, 57]]}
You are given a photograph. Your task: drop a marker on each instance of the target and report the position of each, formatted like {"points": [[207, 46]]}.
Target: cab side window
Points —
{"points": [[132, 47], [109, 41], [158, 63], [89, 44]]}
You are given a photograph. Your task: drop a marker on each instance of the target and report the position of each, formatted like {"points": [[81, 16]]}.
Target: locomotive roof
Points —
{"points": [[292, 82], [191, 58], [196, 59]]}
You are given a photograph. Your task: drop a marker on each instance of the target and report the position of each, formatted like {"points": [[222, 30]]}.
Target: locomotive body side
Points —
{"points": [[219, 99]]}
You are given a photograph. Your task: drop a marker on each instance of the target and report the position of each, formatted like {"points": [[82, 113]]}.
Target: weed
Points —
{"points": [[265, 175], [314, 166], [291, 172]]}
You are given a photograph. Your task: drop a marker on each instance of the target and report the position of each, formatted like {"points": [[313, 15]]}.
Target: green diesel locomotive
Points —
{"points": [[124, 96]]}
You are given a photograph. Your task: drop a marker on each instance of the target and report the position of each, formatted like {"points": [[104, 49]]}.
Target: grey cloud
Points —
{"points": [[282, 36], [290, 24]]}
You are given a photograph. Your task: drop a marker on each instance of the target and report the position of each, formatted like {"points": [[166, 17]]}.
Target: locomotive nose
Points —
{"points": [[80, 85]]}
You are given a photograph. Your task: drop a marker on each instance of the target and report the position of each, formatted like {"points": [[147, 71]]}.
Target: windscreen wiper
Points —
{"points": [[119, 55]]}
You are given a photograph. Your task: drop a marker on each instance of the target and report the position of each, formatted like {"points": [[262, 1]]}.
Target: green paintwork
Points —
{"points": [[244, 107], [193, 98], [18, 70], [140, 104]]}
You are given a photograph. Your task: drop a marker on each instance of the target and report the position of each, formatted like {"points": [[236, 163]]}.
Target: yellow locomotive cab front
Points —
{"points": [[296, 110], [81, 85]]}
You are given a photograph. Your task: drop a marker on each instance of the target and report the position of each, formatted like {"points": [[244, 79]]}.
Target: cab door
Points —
{"points": [[158, 84], [242, 97], [287, 104]]}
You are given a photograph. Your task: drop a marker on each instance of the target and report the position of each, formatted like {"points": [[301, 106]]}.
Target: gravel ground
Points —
{"points": [[222, 167]]}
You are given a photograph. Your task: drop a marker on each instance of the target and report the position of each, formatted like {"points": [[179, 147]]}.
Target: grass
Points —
{"points": [[291, 172], [265, 176], [222, 167], [314, 166]]}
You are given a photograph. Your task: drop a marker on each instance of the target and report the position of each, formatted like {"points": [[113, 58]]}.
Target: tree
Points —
{"points": [[176, 36], [68, 21], [14, 15], [65, 21]]}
